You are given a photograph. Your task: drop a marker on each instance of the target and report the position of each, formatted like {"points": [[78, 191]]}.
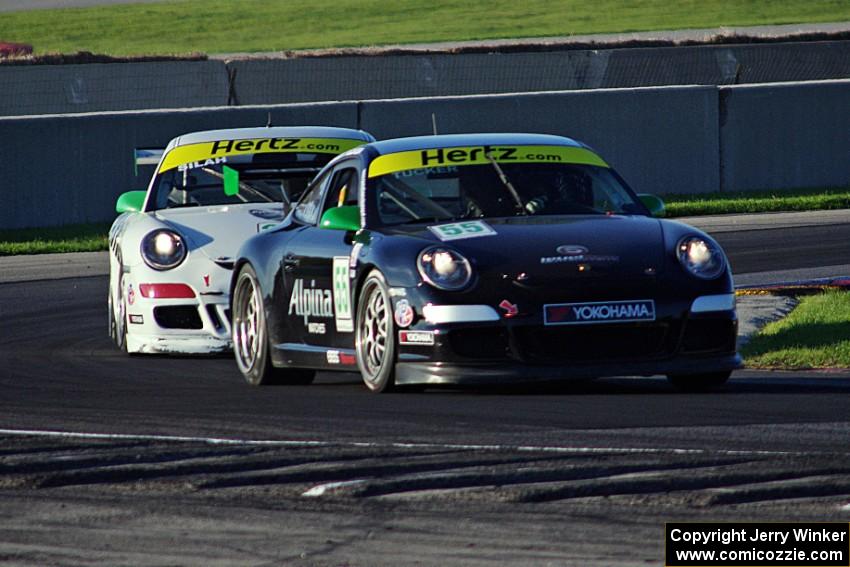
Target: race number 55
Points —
{"points": [[458, 230]]}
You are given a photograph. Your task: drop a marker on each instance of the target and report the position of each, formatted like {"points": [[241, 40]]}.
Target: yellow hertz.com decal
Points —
{"points": [[474, 155], [223, 148]]}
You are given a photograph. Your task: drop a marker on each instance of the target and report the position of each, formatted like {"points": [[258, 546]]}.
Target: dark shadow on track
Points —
{"points": [[803, 382]]}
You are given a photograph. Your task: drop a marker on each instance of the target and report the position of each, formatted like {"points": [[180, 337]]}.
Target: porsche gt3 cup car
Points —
{"points": [[172, 247], [481, 258]]}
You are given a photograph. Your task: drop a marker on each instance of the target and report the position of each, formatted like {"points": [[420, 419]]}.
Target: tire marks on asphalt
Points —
{"points": [[396, 473]]}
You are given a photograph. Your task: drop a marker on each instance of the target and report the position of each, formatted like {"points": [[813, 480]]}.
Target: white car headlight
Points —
{"points": [[163, 249], [701, 257], [444, 268]]}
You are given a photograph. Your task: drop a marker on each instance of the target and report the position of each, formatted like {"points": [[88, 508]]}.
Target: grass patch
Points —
{"points": [[224, 26], [757, 202], [71, 238], [816, 334]]}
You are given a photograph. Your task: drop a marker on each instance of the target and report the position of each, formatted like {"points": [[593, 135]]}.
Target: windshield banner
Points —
{"points": [[477, 155], [204, 151]]}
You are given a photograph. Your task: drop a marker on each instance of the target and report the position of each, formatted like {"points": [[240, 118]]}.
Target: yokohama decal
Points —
{"points": [[422, 338], [599, 312]]}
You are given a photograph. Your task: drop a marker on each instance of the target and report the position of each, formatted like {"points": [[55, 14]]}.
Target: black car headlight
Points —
{"points": [[701, 257], [163, 249], [444, 268]]}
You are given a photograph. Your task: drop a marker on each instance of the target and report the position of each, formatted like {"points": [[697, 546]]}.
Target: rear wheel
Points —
{"points": [[250, 337], [375, 335], [699, 382]]}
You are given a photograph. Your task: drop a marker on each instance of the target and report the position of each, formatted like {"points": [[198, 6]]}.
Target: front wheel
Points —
{"points": [[375, 335], [699, 382], [118, 312], [250, 337]]}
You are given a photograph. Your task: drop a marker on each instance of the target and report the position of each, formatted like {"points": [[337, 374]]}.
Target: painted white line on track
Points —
{"points": [[397, 445]]}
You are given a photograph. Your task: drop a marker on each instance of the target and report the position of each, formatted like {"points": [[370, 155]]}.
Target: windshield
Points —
{"points": [[262, 178], [500, 190]]}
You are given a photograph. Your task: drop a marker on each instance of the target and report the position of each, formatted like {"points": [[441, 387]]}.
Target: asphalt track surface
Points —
{"points": [[115, 460]]}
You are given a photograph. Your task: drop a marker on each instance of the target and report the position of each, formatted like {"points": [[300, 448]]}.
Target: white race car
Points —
{"points": [[172, 246]]}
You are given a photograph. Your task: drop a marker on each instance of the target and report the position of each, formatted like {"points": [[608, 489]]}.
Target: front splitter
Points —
{"points": [[408, 373]]}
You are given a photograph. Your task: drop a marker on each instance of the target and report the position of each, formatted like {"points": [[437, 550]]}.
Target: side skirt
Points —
{"points": [[298, 355]]}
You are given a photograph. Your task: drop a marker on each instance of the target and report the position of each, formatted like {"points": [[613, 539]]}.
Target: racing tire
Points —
{"points": [[118, 317], [699, 382], [374, 340], [250, 337]]}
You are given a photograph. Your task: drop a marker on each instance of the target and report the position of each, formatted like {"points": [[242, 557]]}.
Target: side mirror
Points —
{"points": [[341, 218], [130, 202], [653, 203]]}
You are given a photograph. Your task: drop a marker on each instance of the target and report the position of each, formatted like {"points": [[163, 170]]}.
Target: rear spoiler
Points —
{"points": [[146, 156]]}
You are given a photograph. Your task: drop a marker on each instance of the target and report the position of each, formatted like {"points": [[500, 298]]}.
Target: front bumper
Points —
{"points": [[187, 325], [196, 343], [688, 336]]}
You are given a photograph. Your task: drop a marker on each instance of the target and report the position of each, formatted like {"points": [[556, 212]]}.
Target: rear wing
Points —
{"points": [[146, 156]]}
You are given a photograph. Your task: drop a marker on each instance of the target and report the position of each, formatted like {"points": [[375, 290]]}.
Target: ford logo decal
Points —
{"points": [[571, 250]]}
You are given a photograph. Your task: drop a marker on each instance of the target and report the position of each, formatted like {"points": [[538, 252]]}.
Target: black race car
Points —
{"points": [[481, 258]]}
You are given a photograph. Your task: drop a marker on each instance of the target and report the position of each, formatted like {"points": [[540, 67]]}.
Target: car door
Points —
{"points": [[320, 307]]}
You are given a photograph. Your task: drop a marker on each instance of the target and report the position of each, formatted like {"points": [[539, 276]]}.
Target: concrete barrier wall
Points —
{"points": [[400, 76], [662, 140], [66, 169], [97, 87], [784, 136], [50, 89], [70, 169], [264, 81]]}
